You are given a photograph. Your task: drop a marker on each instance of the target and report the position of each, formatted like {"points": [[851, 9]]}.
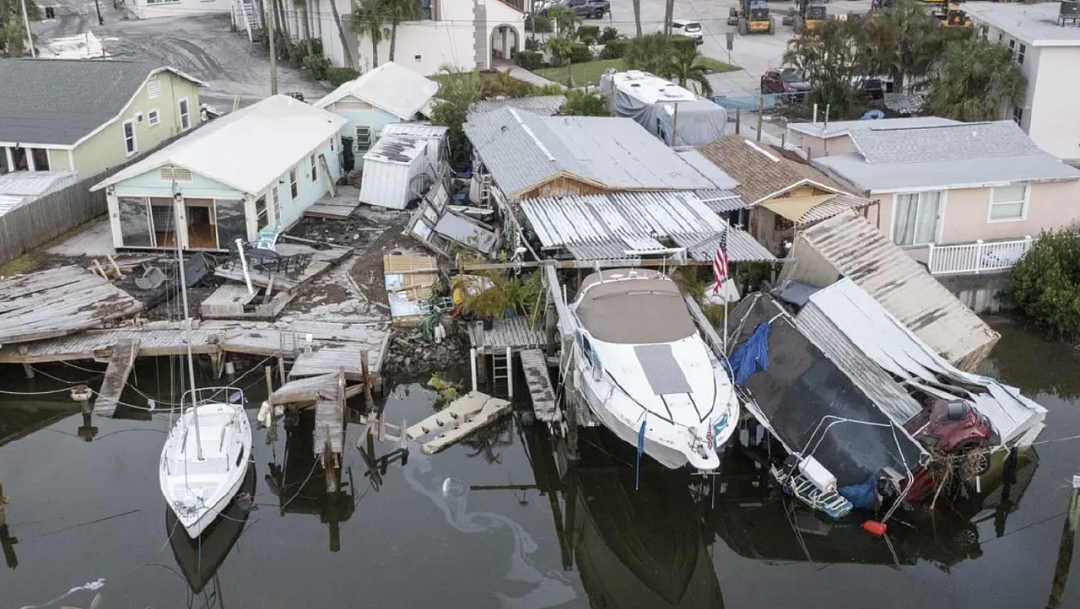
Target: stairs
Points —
{"points": [[250, 18]]}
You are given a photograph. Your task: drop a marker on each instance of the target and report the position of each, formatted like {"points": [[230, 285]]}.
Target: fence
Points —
{"points": [[41, 220], [978, 257]]}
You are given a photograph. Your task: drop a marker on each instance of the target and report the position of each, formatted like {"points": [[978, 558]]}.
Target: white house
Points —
{"points": [[257, 168], [461, 34], [1047, 50], [149, 9]]}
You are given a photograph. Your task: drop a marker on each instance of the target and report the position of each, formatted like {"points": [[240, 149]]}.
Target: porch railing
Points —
{"points": [[979, 257]]}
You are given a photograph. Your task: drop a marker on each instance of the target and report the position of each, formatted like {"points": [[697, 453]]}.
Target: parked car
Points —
{"points": [[584, 8], [953, 427], [784, 82], [690, 29]]}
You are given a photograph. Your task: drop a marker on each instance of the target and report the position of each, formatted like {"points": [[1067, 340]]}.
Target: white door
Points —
{"points": [[917, 218]]}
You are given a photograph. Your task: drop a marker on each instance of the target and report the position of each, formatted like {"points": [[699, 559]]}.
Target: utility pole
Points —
{"points": [[29, 36], [273, 51], [97, 5]]}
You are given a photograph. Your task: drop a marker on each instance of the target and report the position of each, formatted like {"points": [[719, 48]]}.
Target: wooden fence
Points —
{"points": [[33, 224]]}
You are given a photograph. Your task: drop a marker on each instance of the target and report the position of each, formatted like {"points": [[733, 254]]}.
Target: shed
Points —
{"points": [[392, 170], [438, 147], [847, 245]]}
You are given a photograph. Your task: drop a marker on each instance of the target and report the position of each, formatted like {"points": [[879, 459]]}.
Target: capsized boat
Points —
{"points": [[205, 456], [639, 361]]}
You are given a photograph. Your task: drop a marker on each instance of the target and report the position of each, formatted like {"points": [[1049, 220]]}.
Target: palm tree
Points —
{"points": [[637, 16], [341, 34], [369, 19], [974, 81], [398, 11], [682, 66], [302, 6], [563, 50]]}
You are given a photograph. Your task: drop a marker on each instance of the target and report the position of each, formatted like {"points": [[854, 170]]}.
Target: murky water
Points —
{"points": [[489, 524]]}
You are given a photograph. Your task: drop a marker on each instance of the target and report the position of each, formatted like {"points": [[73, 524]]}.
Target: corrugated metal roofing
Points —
{"points": [[885, 392], [396, 149], [595, 227], [389, 87], [867, 327], [836, 205], [541, 105], [424, 130], [521, 150], [861, 253], [19, 187], [720, 200]]}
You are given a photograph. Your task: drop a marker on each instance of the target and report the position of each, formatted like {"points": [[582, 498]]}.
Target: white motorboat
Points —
{"points": [[639, 359], [205, 456]]}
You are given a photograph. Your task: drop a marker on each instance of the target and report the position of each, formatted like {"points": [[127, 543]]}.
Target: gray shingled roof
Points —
{"points": [[59, 101], [521, 150], [944, 143]]}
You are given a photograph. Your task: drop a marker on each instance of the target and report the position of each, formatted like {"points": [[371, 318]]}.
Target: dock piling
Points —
{"points": [[1065, 552]]}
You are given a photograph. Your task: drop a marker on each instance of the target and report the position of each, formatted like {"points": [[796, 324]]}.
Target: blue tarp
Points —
{"points": [[862, 496], [751, 354]]}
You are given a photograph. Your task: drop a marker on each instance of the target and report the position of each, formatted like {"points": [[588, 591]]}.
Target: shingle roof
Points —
{"points": [[761, 170], [944, 143], [521, 150], [541, 105], [60, 101], [837, 128], [389, 87], [858, 251], [248, 149]]}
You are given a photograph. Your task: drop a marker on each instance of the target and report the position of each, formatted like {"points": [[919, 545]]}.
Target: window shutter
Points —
{"points": [[153, 88]]}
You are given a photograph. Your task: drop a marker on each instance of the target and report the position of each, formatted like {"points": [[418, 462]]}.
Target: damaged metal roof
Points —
{"points": [[721, 201], [596, 227], [397, 149], [851, 327]]}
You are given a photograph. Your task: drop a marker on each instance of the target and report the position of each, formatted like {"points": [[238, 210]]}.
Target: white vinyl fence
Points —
{"points": [[978, 257]]}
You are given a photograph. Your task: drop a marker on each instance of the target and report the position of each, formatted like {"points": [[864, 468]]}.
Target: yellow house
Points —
{"points": [[88, 116]]}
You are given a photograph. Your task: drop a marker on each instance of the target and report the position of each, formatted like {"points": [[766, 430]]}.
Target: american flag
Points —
{"points": [[720, 268]]}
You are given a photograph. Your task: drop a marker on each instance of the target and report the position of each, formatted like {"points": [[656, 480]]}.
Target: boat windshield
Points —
{"points": [[635, 311]]}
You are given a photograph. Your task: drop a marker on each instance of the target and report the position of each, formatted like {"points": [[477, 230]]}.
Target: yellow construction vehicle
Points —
{"points": [[752, 17], [952, 15]]}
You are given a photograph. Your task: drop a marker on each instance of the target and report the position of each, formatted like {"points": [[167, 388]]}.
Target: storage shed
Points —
{"points": [[437, 146], [395, 172]]}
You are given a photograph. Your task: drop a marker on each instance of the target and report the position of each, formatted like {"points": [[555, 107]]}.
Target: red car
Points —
{"points": [[953, 427], [787, 82]]}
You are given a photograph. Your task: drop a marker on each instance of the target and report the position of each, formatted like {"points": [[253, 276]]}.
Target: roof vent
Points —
{"points": [[1069, 12], [635, 75]]}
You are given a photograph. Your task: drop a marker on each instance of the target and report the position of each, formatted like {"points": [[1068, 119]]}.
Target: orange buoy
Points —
{"points": [[874, 527]]}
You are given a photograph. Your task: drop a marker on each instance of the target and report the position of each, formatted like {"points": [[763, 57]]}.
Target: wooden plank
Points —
{"points": [[534, 363], [464, 416], [330, 419], [120, 364]]}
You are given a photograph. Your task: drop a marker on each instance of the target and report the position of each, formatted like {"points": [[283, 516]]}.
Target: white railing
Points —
{"points": [[979, 257]]}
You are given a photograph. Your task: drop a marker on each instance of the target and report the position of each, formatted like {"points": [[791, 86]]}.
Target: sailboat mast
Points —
{"points": [[187, 320]]}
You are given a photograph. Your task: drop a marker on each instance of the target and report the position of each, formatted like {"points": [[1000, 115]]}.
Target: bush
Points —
{"points": [[1045, 284], [340, 76], [530, 60], [532, 44], [298, 53], [584, 103], [579, 53], [589, 34], [614, 49], [538, 24], [316, 65], [609, 34]]}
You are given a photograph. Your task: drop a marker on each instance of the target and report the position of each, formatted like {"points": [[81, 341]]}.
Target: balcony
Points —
{"points": [[970, 258]]}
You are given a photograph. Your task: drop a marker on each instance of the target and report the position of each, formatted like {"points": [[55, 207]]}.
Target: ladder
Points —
{"points": [[829, 502], [485, 190], [502, 370]]}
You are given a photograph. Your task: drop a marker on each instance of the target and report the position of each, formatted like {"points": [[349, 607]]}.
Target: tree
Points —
{"points": [[903, 44], [302, 5], [369, 19], [12, 28], [637, 16], [398, 11], [566, 21], [829, 56], [648, 53], [584, 103], [683, 67], [563, 51], [974, 80], [458, 91], [341, 34], [1044, 284]]}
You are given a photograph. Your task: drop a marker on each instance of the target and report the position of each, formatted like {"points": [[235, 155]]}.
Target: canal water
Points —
{"points": [[488, 523]]}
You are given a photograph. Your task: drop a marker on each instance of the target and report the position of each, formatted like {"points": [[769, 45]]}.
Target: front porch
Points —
{"points": [[970, 258]]}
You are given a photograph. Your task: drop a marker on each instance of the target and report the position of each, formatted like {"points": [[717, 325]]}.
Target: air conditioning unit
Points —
{"points": [[1069, 11]]}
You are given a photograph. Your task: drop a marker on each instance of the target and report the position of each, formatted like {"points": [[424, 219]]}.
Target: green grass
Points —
{"points": [[590, 73]]}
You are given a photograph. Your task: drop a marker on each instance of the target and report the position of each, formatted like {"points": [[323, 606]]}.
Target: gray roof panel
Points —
{"points": [[60, 101], [944, 143], [541, 105]]}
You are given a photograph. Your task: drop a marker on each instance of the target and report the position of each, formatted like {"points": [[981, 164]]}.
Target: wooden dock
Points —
{"points": [[234, 301], [515, 333], [121, 362], [58, 302], [534, 363], [464, 416], [337, 206]]}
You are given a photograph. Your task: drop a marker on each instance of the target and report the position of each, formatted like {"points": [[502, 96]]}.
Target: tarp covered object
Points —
{"points": [[700, 122], [801, 393]]}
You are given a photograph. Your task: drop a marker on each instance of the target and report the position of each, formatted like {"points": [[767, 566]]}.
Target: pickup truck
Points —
{"points": [[584, 8]]}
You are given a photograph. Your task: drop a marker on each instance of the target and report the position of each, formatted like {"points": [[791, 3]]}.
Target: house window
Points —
{"points": [[153, 88], [332, 146], [40, 156], [260, 212], [275, 201], [363, 139], [1018, 115], [917, 217], [130, 145], [1008, 203], [294, 186], [185, 115], [138, 118], [1020, 53], [153, 117]]}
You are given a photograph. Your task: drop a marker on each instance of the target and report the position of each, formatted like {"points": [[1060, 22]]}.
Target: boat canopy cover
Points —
{"points": [[644, 310], [812, 406]]}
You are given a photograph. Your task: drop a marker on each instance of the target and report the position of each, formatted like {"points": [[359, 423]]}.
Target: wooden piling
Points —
{"points": [[1065, 552], [760, 111], [269, 382], [365, 371]]}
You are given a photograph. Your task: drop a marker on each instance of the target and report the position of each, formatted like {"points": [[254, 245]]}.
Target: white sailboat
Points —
{"points": [[639, 360], [208, 448]]}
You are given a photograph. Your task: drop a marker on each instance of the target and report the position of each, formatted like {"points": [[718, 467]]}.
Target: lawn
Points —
{"points": [[589, 73]]}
